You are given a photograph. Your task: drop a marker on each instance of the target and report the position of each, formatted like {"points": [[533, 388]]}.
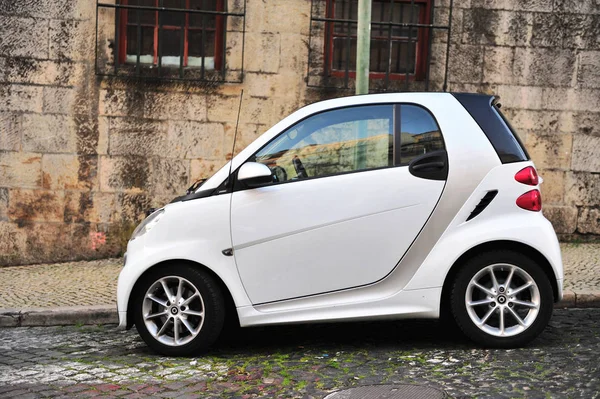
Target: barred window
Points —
{"points": [[171, 38], [395, 50], [193, 40]]}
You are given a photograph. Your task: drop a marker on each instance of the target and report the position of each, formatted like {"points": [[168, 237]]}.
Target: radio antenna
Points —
{"points": [[235, 138]]}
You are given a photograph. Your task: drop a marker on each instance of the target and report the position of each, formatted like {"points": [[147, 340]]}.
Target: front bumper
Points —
{"points": [[122, 320], [122, 312], [559, 285]]}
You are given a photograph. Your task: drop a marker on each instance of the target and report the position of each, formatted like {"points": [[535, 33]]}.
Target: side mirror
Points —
{"points": [[255, 174]]}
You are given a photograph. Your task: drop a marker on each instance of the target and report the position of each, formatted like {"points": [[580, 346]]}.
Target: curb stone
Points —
{"points": [[587, 300], [573, 299], [569, 300], [107, 314], [61, 316]]}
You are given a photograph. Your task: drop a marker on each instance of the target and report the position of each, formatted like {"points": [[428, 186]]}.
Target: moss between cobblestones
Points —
{"points": [[310, 361]]}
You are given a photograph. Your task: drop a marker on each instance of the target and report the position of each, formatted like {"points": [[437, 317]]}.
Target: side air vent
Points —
{"points": [[485, 201]]}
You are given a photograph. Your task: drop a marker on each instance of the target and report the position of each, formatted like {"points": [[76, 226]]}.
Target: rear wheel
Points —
{"points": [[502, 299], [179, 310]]}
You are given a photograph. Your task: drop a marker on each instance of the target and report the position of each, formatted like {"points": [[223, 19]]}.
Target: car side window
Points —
{"points": [[332, 142], [419, 133]]}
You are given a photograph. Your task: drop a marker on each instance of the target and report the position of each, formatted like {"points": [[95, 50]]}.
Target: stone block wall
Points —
{"points": [[543, 59], [83, 156]]}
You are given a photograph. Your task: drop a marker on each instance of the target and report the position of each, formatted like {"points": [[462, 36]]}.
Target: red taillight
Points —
{"points": [[528, 176], [531, 200]]}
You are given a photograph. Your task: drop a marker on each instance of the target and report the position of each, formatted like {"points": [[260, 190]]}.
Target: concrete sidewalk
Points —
{"points": [[85, 292]]}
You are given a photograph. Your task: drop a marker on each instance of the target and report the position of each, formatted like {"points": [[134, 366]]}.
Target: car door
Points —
{"points": [[344, 206]]}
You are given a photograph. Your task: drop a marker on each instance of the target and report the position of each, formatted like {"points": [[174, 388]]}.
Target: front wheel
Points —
{"points": [[502, 299], [178, 310]]}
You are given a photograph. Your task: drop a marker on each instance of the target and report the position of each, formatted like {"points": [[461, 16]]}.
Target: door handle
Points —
{"points": [[432, 165], [427, 165]]}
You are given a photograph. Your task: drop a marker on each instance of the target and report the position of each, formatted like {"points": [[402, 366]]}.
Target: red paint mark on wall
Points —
{"points": [[97, 239]]}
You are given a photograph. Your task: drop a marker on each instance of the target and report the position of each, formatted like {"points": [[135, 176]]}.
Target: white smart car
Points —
{"points": [[386, 206]]}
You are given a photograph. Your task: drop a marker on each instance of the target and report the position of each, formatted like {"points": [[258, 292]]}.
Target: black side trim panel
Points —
{"points": [[193, 196], [485, 201], [482, 109]]}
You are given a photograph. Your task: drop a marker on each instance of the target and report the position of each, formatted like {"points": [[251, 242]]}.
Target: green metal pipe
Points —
{"points": [[363, 46]]}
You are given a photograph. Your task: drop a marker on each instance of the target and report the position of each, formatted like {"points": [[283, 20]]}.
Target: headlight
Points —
{"points": [[147, 224]]}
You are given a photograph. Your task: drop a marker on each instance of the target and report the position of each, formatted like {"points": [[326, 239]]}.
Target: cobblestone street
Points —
{"points": [[303, 361]]}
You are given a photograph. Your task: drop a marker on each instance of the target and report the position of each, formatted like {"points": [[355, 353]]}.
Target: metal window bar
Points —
{"points": [[161, 10], [138, 48], [224, 41], [381, 17], [390, 46], [96, 46], [348, 46], [429, 44], [183, 39], [408, 46], [203, 49], [160, 37], [330, 20], [445, 87], [117, 39], [398, 58]]}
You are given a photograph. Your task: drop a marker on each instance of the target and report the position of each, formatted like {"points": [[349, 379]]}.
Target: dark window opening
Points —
{"points": [[399, 48], [179, 39]]}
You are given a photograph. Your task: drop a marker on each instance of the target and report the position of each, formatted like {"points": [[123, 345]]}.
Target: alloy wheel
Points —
{"points": [[173, 311], [503, 300]]}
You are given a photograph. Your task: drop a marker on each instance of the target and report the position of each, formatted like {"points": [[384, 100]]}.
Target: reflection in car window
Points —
{"points": [[420, 133], [337, 141]]}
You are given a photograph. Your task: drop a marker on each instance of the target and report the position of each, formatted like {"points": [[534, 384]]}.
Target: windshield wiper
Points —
{"points": [[195, 186]]}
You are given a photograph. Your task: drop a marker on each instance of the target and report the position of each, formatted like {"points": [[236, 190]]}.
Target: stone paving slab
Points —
{"points": [[582, 267], [304, 362], [61, 284], [93, 283]]}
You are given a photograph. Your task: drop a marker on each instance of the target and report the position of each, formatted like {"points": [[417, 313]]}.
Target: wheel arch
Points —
{"points": [[230, 308], [531, 252]]}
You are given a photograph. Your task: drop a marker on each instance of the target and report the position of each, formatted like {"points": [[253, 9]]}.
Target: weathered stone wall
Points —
{"points": [[543, 59], [82, 156]]}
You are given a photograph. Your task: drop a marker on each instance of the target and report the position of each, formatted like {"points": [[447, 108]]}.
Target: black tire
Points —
{"points": [[459, 307], [212, 302]]}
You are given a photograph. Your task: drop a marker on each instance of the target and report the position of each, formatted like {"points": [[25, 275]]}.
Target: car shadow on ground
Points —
{"points": [[382, 335]]}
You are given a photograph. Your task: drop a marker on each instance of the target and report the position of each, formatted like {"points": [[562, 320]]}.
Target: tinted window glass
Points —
{"points": [[337, 141], [513, 131], [419, 135], [507, 146]]}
